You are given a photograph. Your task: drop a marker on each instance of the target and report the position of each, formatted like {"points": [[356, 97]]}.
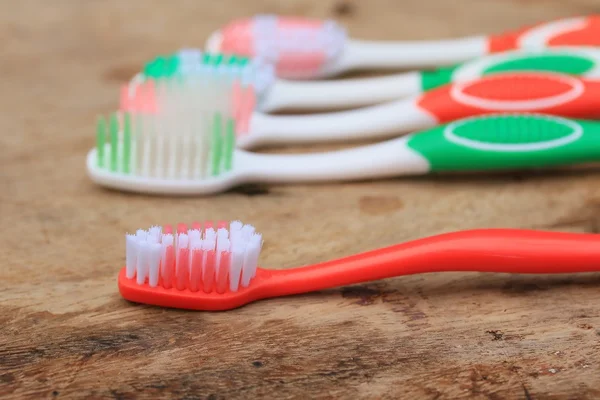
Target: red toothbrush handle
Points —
{"points": [[487, 250], [579, 31]]}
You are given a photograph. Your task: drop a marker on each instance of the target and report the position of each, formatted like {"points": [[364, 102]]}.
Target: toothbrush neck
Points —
{"points": [[412, 54], [490, 250]]}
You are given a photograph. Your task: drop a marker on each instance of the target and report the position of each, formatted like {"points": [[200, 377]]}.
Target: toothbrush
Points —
{"points": [[275, 94], [308, 48], [200, 269], [542, 92], [185, 152]]}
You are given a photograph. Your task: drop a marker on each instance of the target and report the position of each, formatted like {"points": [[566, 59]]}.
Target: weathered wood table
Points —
{"points": [[66, 333]]}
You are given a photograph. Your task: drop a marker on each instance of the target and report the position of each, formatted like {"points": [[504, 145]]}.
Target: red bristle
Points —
{"points": [[168, 267], [208, 277], [197, 225], [222, 224], [167, 229], [223, 275], [208, 225], [183, 271], [148, 97], [196, 270], [182, 228]]}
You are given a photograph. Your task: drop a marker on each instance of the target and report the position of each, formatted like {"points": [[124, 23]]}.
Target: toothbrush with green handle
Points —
{"points": [[275, 94], [483, 143]]}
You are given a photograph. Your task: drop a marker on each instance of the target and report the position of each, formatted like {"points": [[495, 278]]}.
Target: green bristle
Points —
{"points": [[216, 144], [217, 59], [114, 141], [206, 57], [126, 143], [232, 60], [155, 68], [100, 140], [229, 144], [162, 67], [243, 61], [172, 65]]}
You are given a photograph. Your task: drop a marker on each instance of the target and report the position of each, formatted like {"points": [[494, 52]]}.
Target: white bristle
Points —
{"points": [[141, 235], [130, 255], [182, 243], [155, 232], [250, 257], [255, 246], [237, 261], [247, 231], [222, 233], [195, 244], [194, 234], [146, 254], [235, 226], [210, 234], [167, 240], [223, 245], [142, 262], [154, 257], [209, 244]]}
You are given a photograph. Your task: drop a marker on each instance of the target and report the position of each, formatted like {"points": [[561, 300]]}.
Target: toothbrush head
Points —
{"points": [[253, 73], [176, 137], [203, 267], [299, 48]]}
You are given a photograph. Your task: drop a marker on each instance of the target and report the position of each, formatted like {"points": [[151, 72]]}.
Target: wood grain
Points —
{"points": [[66, 333]]}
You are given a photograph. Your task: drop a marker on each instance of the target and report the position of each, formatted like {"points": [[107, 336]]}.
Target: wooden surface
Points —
{"points": [[66, 333]]}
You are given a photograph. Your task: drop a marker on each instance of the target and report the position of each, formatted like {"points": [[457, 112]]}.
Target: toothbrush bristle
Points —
{"points": [[180, 118], [298, 47], [256, 72], [175, 128], [196, 260]]}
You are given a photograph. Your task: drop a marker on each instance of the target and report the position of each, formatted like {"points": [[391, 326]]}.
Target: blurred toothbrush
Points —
{"points": [[185, 152], [542, 92], [302, 48], [275, 94]]}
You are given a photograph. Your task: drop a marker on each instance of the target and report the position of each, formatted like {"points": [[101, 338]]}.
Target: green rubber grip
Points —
{"points": [[436, 78], [565, 63], [508, 141]]}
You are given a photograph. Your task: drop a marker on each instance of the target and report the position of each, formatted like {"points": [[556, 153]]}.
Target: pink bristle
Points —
{"points": [[208, 279], [168, 268], [223, 277], [183, 271], [196, 270], [182, 228]]}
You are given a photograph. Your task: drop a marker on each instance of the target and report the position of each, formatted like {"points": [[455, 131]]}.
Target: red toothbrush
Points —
{"points": [[208, 269]]}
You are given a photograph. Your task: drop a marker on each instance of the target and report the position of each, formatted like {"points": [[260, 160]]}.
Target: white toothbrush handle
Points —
{"points": [[369, 122], [385, 159], [411, 54], [308, 95]]}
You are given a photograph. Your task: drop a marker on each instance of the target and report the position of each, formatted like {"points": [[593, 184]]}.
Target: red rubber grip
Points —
{"points": [[588, 35], [513, 87]]}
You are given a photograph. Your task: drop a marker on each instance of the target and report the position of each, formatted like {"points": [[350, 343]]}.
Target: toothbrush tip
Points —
{"points": [[213, 43]]}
